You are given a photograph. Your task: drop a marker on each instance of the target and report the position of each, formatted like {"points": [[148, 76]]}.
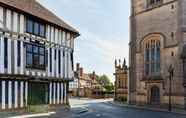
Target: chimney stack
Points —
{"points": [[81, 72]]}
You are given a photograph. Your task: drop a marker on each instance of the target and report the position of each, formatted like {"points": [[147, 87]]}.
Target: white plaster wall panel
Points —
{"points": [[65, 92], [48, 33], [22, 23], [16, 95], [1, 18], [57, 64], [52, 34], [3, 95], [53, 62], [54, 93], [68, 39], [22, 59], [48, 62], [56, 35], [64, 36], [59, 39], [15, 22], [8, 19], [58, 87], [62, 74], [10, 95], [21, 92], [61, 93], [9, 56], [15, 57], [26, 94], [65, 63], [72, 42], [2, 55], [50, 93]]}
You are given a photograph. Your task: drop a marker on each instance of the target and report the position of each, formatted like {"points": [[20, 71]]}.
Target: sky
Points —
{"points": [[104, 29]]}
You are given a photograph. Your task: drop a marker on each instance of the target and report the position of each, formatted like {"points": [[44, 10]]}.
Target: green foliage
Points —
{"points": [[106, 83], [122, 99]]}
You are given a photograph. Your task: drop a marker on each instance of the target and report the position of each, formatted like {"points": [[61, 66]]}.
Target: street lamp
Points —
{"points": [[171, 74], [183, 57]]}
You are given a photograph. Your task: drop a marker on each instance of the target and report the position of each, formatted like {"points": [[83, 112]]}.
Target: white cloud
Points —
{"points": [[103, 51]]}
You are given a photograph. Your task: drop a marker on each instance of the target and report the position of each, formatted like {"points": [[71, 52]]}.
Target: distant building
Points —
{"points": [[36, 55], [85, 84], [121, 81]]}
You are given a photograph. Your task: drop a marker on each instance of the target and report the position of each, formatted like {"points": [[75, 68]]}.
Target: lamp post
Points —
{"points": [[171, 74]]}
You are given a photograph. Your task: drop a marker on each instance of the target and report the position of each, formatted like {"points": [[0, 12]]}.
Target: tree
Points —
{"points": [[106, 83]]}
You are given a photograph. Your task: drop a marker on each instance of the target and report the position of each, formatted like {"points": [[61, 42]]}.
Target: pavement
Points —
{"points": [[151, 108], [105, 108]]}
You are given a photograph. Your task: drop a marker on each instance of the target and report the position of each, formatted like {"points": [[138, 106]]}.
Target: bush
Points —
{"points": [[122, 99]]}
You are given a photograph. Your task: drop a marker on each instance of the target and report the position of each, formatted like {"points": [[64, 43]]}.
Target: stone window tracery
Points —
{"points": [[152, 57]]}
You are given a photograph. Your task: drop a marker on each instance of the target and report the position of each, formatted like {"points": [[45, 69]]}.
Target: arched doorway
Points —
{"points": [[155, 95]]}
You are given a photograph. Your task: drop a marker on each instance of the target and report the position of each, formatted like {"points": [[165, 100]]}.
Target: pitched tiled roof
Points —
{"points": [[34, 8]]}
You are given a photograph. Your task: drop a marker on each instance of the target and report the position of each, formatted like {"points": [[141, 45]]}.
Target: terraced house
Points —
{"points": [[36, 55]]}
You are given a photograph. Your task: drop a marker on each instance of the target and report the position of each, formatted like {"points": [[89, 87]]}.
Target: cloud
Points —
{"points": [[98, 53]]}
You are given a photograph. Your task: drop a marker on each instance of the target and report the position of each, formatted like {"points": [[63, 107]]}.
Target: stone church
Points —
{"points": [[158, 35], [121, 81]]}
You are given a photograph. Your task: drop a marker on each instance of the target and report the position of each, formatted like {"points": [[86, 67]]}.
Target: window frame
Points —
{"points": [[36, 65], [152, 63], [40, 33]]}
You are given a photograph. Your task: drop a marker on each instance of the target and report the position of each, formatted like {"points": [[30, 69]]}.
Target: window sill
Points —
{"points": [[36, 68]]}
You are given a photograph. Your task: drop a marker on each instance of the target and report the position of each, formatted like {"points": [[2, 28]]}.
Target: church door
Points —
{"points": [[155, 95]]}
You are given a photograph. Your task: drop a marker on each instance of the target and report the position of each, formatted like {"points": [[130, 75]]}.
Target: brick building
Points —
{"points": [[36, 55], [158, 33]]}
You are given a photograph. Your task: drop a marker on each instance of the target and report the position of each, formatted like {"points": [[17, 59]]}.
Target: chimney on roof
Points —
{"points": [[93, 75], [81, 72]]}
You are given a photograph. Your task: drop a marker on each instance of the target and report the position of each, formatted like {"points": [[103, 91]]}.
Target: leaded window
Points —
{"points": [[35, 56], [35, 27], [152, 57]]}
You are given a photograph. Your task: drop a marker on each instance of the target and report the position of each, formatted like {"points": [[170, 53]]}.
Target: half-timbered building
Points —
{"points": [[36, 55]]}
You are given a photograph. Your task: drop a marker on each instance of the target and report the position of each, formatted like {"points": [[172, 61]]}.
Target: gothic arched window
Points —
{"points": [[152, 57]]}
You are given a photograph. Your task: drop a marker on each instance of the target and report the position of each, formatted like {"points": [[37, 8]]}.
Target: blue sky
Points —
{"points": [[104, 28]]}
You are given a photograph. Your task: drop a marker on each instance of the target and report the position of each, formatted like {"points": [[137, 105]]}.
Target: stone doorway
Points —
{"points": [[155, 96]]}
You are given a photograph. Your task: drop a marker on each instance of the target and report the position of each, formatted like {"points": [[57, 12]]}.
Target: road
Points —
{"points": [[88, 108]]}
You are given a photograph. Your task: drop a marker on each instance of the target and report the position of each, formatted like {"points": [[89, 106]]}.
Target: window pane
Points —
{"points": [[42, 30], [147, 69], [29, 27], [147, 55], [41, 51], [153, 54], [36, 60], [36, 28], [41, 60], [29, 48], [29, 59], [36, 49]]}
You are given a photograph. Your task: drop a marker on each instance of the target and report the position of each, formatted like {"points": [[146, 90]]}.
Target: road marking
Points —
{"points": [[33, 115]]}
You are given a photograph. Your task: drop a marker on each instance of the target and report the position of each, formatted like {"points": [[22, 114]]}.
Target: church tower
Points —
{"points": [[158, 32], [121, 80]]}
